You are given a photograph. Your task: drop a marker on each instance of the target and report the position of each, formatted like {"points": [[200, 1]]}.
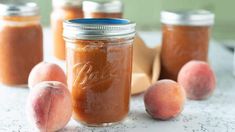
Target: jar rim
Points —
{"points": [[111, 6], [188, 17], [97, 28], [65, 3], [19, 9]]}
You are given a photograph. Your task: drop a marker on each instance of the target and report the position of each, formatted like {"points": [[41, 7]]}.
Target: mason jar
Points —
{"points": [[99, 66], [21, 45], [63, 10], [185, 37], [105, 9]]}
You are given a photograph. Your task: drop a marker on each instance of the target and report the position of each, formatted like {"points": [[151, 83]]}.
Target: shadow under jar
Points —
{"points": [[185, 37], [20, 42], [106, 9], [63, 10], [99, 67]]}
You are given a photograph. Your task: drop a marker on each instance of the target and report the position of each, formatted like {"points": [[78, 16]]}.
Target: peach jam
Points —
{"points": [[99, 67], [63, 10], [185, 37], [21, 44]]}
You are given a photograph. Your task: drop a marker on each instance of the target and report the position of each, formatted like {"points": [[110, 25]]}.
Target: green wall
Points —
{"points": [[146, 13]]}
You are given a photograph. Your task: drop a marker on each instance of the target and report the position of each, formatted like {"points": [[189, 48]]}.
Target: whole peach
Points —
{"points": [[198, 80], [45, 71], [164, 99], [49, 106]]}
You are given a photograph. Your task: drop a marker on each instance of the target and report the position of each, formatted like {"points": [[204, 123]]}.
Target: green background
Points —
{"points": [[146, 13]]}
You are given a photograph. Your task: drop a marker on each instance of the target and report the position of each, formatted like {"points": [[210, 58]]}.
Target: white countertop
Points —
{"points": [[217, 114]]}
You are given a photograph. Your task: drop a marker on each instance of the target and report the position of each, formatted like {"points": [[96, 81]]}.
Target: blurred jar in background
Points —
{"points": [[20, 42], [106, 9], [185, 37], [63, 10]]}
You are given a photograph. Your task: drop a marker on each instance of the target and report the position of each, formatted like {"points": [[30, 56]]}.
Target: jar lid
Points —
{"points": [[61, 3], [190, 17], [98, 28], [19, 9], [111, 6]]}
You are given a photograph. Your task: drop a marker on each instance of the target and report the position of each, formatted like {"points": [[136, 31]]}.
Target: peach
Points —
{"points": [[49, 106], [198, 80], [164, 99], [45, 71]]}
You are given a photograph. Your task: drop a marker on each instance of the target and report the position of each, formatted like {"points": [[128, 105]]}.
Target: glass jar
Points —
{"points": [[99, 67], [106, 9], [20, 42], [185, 37], [63, 10]]}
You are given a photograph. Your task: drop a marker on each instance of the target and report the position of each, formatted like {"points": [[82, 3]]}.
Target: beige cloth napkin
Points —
{"points": [[146, 66]]}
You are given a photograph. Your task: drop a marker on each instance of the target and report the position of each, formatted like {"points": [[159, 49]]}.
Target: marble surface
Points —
{"points": [[217, 114]]}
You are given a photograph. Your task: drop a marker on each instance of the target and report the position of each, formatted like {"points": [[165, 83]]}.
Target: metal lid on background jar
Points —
{"points": [[19, 9], [61, 3], [98, 28], [111, 6], [190, 17]]}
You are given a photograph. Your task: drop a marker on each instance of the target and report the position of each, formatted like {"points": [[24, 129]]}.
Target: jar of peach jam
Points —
{"points": [[20, 42], [63, 10], [105, 9], [99, 66], [185, 37]]}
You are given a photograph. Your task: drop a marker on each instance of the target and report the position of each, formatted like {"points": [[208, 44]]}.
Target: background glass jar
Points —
{"points": [[20, 42], [105, 9], [63, 10], [99, 66], [185, 37]]}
